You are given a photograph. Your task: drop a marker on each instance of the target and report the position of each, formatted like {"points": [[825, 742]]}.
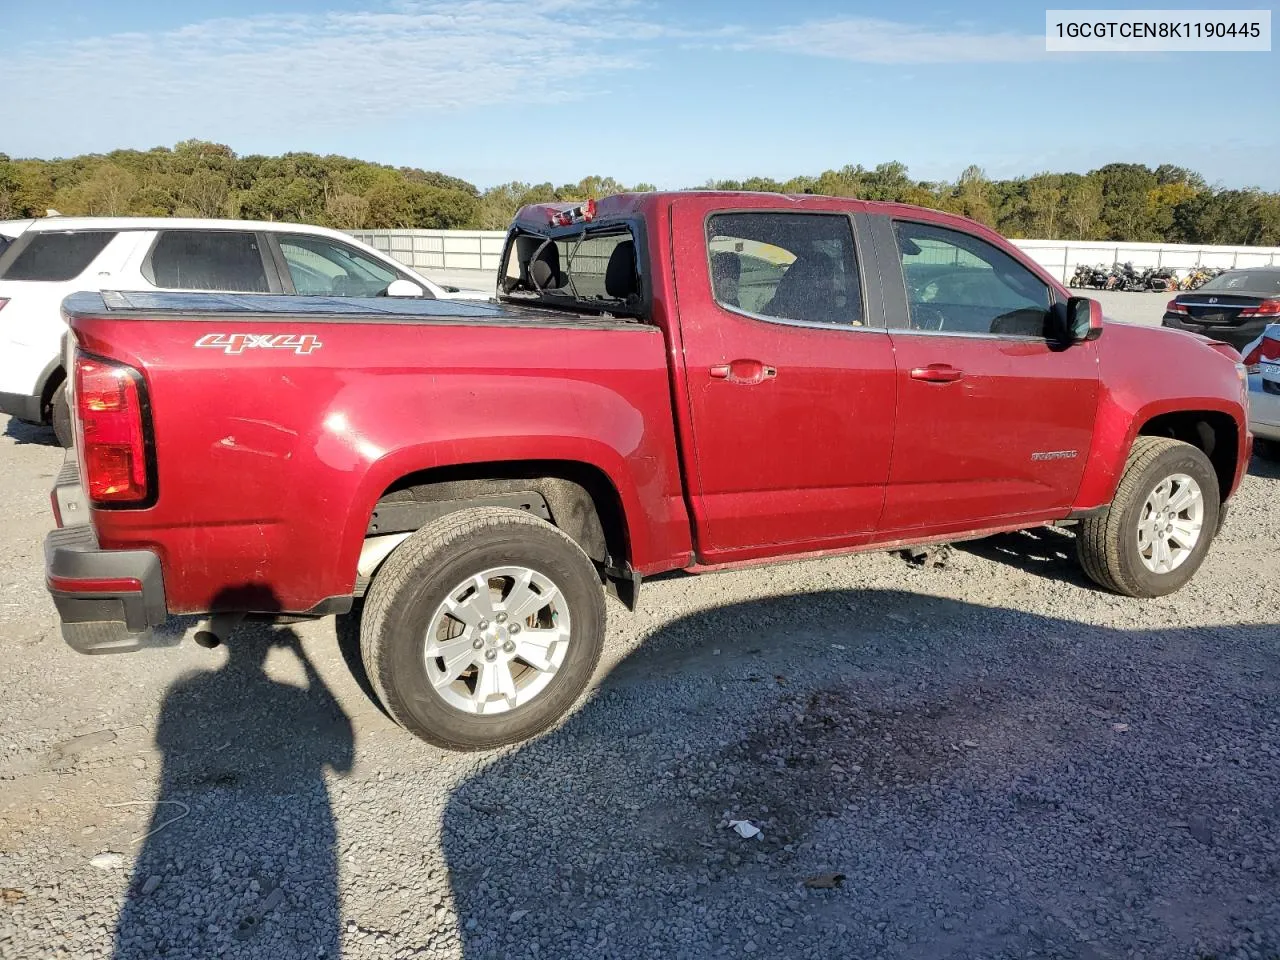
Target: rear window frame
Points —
{"points": [[14, 251]]}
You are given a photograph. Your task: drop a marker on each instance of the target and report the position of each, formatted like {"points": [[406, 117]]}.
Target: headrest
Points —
{"points": [[545, 269], [726, 266], [620, 278]]}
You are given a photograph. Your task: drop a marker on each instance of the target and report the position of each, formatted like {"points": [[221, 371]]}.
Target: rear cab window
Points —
{"points": [[53, 256], [589, 267], [229, 260]]}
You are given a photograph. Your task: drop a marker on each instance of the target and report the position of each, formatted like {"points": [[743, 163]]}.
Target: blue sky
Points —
{"points": [[670, 93]]}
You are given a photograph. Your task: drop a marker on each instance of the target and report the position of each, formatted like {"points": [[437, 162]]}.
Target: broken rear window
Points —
{"points": [[593, 270]]}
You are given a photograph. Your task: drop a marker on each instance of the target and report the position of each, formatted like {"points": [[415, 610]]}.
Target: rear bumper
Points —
{"points": [[109, 601], [21, 406]]}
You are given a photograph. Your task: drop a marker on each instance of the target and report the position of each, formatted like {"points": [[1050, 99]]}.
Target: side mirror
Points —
{"points": [[1084, 319], [403, 288]]}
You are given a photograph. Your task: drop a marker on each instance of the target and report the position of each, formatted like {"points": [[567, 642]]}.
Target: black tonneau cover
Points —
{"points": [[143, 304]]}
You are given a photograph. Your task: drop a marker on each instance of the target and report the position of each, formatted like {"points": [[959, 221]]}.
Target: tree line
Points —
{"points": [[196, 178]]}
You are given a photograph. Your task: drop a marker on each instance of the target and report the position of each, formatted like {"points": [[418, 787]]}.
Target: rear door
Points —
{"points": [[789, 378], [995, 418]]}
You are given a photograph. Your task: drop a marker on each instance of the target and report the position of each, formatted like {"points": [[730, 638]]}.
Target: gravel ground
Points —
{"points": [[998, 759]]}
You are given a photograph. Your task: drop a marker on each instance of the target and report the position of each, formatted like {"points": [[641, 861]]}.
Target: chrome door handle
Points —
{"points": [[743, 371], [937, 373]]}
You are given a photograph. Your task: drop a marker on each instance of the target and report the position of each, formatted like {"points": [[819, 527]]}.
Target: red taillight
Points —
{"points": [[3, 301], [1267, 308], [109, 404], [1174, 306]]}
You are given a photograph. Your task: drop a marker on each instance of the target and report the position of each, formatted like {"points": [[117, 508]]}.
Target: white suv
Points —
{"points": [[52, 257]]}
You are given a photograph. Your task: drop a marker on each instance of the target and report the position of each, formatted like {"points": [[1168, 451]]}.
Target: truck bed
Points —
{"points": [[134, 304]]}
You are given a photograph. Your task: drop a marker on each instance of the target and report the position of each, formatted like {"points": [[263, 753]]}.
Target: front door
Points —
{"points": [[995, 418], [789, 378]]}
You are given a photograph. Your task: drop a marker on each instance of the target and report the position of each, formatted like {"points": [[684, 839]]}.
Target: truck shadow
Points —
{"points": [[1051, 551], [251, 870], [986, 782], [1044, 551]]}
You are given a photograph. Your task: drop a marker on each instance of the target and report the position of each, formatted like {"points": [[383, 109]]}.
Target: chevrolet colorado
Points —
{"points": [[665, 381]]}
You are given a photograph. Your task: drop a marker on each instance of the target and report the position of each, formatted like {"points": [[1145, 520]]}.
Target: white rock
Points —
{"points": [[108, 861]]}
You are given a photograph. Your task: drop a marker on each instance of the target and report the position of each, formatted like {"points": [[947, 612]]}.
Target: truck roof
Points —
{"points": [[621, 205]]}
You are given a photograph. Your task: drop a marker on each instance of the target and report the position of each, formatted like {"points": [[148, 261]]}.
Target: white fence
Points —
{"points": [[1061, 257], [428, 250]]}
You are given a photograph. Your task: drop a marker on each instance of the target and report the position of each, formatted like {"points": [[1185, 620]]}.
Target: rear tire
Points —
{"points": [[60, 415], [426, 621], [1120, 548]]}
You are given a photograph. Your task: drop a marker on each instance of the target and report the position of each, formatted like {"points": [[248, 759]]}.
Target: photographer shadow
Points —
{"points": [[240, 857]]}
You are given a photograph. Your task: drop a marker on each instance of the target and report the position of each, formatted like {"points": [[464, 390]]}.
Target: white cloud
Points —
{"points": [[866, 40], [304, 78], [327, 69]]}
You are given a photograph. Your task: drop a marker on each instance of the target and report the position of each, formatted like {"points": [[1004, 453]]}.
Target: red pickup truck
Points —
{"points": [[664, 381]]}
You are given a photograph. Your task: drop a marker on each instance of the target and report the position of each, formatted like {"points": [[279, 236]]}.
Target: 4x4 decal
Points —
{"points": [[237, 343]]}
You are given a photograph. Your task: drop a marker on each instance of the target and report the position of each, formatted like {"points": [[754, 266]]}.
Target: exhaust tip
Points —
{"points": [[217, 629], [208, 639]]}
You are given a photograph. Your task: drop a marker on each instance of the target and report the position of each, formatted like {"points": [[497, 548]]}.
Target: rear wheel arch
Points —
{"points": [[582, 499]]}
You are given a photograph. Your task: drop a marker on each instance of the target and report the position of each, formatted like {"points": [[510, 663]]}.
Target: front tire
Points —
{"points": [[482, 628], [1155, 534]]}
